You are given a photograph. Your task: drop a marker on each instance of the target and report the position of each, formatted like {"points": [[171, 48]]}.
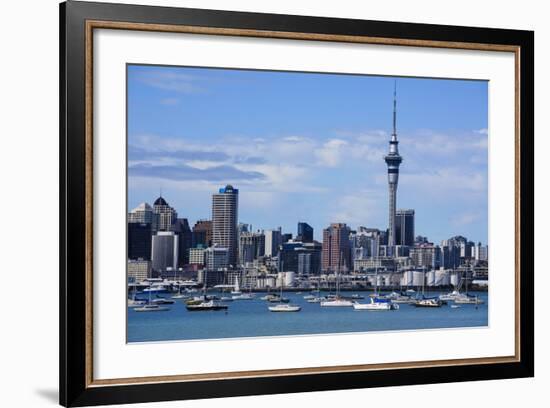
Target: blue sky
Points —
{"points": [[309, 147]]}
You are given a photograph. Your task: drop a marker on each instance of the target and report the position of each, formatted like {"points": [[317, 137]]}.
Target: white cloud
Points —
{"points": [[330, 154], [360, 208]]}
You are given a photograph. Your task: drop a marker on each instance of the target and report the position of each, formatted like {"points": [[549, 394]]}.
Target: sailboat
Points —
{"points": [[237, 289], [318, 298], [244, 296], [427, 302], [284, 307], [151, 307], [203, 304], [179, 294], [337, 301]]}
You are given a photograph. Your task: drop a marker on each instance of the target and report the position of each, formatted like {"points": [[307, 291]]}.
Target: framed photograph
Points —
{"points": [[257, 204]]}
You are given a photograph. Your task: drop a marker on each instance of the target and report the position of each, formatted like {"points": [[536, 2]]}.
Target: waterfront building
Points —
{"points": [[404, 227], [164, 251], [139, 269], [273, 238], [450, 257], [224, 221], [144, 214], [426, 256], [202, 233], [361, 265], [303, 258], [197, 256], [305, 232], [216, 258], [139, 240], [336, 253], [365, 242], [166, 214], [393, 160], [251, 246], [481, 252], [185, 238]]}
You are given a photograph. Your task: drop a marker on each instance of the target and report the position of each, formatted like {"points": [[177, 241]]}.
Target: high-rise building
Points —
{"points": [[166, 214], [336, 256], [366, 242], [273, 239], [286, 237], [164, 251], [139, 240], [480, 252], [404, 227], [303, 258], [251, 246], [216, 258], [393, 160], [197, 256], [139, 270], [305, 232], [426, 256], [144, 214], [224, 221], [182, 230], [202, 233]]}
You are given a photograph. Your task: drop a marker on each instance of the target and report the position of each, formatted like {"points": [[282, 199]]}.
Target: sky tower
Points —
{"points": [[393, 160]]}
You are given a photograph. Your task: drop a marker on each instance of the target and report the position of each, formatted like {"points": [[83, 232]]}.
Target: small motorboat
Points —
{"points": [[151, 308], [376, 305], [284, 308]]}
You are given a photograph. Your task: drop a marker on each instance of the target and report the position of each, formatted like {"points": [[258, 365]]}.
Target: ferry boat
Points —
{"points": [[429, 302], [206, 306]]}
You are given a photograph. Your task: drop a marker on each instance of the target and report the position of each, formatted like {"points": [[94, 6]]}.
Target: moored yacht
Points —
{"points": [[283, 307], [376, 305], [151, 308]]}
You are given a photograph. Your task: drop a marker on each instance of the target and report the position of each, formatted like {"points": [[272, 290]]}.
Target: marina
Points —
{"points": [[253, 318]]}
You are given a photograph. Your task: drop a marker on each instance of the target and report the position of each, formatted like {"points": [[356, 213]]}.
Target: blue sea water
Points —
{"points": [[251, 318]]}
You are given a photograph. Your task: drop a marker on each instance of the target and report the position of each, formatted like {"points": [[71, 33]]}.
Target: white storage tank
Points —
{"points": [[442, 278], [418, 278], [407, 279], [430, 278], [454, 279], [287, 278]]}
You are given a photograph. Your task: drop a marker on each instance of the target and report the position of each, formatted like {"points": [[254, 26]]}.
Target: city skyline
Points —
{"points": [[307, 166]]}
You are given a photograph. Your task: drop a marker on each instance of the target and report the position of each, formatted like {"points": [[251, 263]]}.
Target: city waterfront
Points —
{"points": [[360, 217], [251, 318]]}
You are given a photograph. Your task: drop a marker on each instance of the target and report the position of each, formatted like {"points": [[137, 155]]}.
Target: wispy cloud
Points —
{"points": [[172, 81], [184, 172]]}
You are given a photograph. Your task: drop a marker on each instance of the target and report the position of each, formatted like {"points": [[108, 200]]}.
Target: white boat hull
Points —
{"points": [[337, 303]]}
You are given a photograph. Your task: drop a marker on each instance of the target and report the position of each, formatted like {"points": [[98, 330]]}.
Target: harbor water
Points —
{"points": [[251, 318]]}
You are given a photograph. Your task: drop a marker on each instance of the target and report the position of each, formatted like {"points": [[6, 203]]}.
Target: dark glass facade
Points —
{"points": [[305, 232], [139, 241]]}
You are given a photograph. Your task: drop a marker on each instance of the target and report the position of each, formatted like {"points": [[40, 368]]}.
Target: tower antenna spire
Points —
{"points": [[394, 134]]}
